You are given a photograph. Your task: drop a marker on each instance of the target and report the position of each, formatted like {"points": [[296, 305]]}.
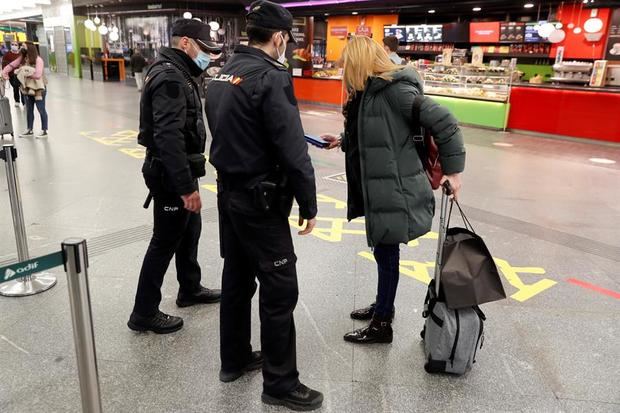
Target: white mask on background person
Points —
{"points": [[282, 57], [14, 48]]}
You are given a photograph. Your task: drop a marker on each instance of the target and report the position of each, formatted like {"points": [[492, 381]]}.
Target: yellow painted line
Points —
{"points": [[525, 291]]}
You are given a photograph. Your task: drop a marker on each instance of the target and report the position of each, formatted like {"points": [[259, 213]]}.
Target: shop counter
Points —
{"points": [[113, 69], [484, 113], [319, 91], [581, 112]]}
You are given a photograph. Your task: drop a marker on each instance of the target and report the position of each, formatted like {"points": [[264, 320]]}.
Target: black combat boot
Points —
{"points": [[160, 323], [202, 296], [302, 398], [255, 363], [366, 313], [378, 331]]}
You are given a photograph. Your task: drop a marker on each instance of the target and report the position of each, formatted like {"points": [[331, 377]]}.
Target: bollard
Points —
{"points": [[76, 266], [31, 284]]}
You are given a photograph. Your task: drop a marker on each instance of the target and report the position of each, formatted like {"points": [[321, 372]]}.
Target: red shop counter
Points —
{"points": [[579, 112], [319, 91]]}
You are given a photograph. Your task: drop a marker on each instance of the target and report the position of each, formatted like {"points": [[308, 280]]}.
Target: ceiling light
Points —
{"points": [[593, 25], [431, 11], [528, 5], [354, 13], [326, 14], [477, 9], [113, 36], [97, 20], [103, 30], [187, 15], [215, 26]]}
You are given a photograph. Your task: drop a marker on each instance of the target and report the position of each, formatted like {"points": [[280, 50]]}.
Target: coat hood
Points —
{"points": [[406, 74]]}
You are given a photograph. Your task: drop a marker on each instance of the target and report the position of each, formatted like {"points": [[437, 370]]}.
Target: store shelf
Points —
{"points": [[419, 52], [510, 55], [454, 95]]}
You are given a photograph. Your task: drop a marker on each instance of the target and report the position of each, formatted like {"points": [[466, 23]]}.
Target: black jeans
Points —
{"points": [[19, 98], [257, 244], [176, 231], [387, 257]]}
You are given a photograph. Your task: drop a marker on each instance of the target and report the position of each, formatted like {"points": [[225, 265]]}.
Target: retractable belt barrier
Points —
{"points": [[27, 277], [35, 281]]}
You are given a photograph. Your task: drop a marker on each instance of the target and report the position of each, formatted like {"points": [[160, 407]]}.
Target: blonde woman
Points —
{"points": [[386, 180]]}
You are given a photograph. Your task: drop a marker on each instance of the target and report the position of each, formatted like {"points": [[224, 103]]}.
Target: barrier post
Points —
{"points": [[76, 266], [31, 284]]}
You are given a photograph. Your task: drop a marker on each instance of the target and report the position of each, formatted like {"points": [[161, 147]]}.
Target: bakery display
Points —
{"points": [[468, 81]]}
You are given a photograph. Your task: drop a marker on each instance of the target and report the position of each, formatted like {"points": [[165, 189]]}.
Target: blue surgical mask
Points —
{"points": [[202, 60]]}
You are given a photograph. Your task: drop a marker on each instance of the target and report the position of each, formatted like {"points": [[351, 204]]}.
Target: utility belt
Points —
{"points": [[155, 173], [196, 161], [270, 194]]}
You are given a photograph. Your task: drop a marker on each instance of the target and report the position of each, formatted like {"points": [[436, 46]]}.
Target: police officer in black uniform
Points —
{"points": [[173, 131], [262, 162]]}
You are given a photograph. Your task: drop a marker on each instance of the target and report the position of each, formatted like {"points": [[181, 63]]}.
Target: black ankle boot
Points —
{"points": [[379, 331], [366, 313]]}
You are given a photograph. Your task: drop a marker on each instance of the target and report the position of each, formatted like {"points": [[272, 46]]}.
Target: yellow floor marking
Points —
{"points": [[138, 152], [338, 204], [428, 235], [334, 231], [526, 291], [210, 187], [421, 271]]}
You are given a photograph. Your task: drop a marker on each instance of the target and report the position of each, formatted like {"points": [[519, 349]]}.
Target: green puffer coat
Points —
{"points": [[398, 200]]}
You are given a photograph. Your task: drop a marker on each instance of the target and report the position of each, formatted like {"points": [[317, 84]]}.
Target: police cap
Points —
{"points": [[268, 15], [198, 31]]}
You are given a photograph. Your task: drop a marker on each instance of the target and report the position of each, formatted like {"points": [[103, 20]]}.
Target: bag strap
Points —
{"points": [[468, 224]]}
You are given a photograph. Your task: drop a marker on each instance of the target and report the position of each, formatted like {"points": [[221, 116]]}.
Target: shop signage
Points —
{"points": [[511, 32], [29, 267], [599, 73], [339, 31], [424, 33], [456, 32], [363, 31], [399, 31], [153, 6], [613, 40], [484, 32], [531, 33]]}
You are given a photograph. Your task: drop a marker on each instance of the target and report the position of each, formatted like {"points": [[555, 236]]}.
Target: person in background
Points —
{"points": [[138, 63], [385, 177], [30, 56], [7, 59], [390, 44]]}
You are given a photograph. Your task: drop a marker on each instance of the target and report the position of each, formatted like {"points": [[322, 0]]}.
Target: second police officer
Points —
{"points": [[262, 162], [173, 131]]}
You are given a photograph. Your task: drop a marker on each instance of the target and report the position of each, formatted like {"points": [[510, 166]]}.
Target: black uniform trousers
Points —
{"points": [[257, 244], [176, 231]]}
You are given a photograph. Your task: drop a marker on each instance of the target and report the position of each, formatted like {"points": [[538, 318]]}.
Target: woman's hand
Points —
{"points": [[455, 183], [334, 141]]}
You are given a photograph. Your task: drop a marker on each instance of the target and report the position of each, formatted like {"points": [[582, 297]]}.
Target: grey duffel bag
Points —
{"points": [[451, 337]]}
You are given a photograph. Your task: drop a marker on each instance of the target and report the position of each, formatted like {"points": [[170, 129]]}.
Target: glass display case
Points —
{"points": [[467, 81], [327, 73]]}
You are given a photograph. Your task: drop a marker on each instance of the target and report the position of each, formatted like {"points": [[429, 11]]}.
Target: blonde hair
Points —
{"points": [[364, 58]]}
